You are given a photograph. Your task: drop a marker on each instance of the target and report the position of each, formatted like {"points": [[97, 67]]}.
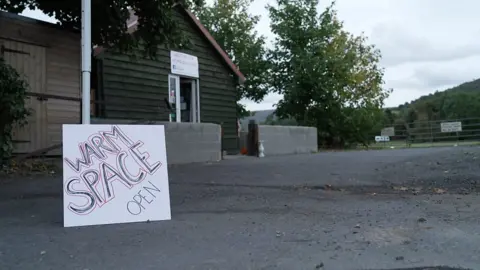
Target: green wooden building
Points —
{"points": [[197, 84]]}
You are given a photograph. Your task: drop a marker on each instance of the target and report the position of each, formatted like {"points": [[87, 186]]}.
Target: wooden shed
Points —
{"points": [[197, 84], [49, 58]]}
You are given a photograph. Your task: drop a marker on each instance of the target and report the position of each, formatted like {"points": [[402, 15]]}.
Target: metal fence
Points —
{"points": [[453, 132]]}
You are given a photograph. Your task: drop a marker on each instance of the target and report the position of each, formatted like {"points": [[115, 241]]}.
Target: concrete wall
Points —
{"points": [[186, 142], [282, 140]]}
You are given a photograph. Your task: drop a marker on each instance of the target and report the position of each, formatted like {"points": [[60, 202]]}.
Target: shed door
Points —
{"points": [[29, 61]]}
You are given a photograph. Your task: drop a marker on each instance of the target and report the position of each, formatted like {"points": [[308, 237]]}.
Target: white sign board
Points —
{"points": [[382, 138], [388, 131], [114, 174], [183, 64], [451, 127]]}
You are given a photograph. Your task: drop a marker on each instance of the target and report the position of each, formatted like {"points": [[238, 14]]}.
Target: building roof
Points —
{"points": [[132, 24], [14, 16]]}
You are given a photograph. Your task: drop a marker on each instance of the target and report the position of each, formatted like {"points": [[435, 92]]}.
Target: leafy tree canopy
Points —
{"points": [[109, 17], [233, 27], [462, 101], [329, 78]]}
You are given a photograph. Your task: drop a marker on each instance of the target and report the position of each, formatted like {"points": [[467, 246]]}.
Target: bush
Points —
{"points": [[13, 90]]}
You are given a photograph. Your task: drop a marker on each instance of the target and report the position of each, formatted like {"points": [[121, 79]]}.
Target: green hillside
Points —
{"points": [[462, 101], [420, 120]]}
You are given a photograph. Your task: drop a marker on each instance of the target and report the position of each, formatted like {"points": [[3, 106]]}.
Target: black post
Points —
{"points": [[252, 138]]}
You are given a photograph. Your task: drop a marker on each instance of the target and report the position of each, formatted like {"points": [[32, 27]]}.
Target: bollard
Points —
{"points": [[261, 149]]}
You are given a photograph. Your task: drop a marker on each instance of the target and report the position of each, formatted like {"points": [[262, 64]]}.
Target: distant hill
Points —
{"points": [[462, 101], [258, 116], [467, 88], [267, 117]]}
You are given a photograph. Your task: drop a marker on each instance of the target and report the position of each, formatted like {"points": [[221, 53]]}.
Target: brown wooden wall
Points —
{"points": [[49, 58]]}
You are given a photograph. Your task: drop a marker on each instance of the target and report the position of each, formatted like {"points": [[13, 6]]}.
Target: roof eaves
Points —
{"points": [[241, 78], [213, 42]]}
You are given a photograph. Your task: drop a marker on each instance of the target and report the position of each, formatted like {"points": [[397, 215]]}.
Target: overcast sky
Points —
{"points": [[426, 45]]}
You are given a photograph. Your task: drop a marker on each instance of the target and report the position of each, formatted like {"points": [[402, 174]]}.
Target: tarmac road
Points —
{"points": [[387, 209]]}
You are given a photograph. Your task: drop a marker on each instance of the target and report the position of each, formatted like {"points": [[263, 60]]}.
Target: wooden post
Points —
{"points": [[252, 138]]}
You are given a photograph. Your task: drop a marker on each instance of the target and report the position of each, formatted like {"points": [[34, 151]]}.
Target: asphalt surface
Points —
{"points": [[388, 209]]}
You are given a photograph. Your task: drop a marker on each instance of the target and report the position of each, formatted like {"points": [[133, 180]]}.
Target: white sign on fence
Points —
{"points": [[114, 174], [451, 126], [388, 131], [382, 138], [183, 64]]}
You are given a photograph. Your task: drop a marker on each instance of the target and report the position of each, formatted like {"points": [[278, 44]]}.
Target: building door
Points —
{"points": [[30, 62], [174, 97], [184, 99]]}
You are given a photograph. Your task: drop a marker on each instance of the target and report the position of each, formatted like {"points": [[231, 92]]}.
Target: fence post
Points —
{"points": [[407, 137], [239, 132], [431, 133]]}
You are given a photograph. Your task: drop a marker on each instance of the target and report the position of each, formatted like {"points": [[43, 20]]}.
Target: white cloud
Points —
{"points": [[37, 14]]}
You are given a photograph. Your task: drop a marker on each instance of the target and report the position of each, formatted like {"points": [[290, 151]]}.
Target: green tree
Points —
{"points": [[233, 27], [13, 110], [109, 17], [389, 117], [270, 120], [329, 78], [362, 125], [462, 101], [411, 116]]}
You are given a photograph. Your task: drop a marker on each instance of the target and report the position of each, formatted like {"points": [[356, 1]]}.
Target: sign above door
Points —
{"points": [[183, 64]]}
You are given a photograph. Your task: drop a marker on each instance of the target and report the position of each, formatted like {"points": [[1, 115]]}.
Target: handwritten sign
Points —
{"points": [[114, 174]]}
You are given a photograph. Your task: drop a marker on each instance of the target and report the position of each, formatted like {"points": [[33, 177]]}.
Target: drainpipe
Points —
{"points": [[221, 140], [86, 58]]}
